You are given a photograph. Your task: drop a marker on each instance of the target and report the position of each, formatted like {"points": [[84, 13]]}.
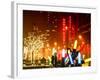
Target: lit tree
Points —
{"points": [[35, 40]]}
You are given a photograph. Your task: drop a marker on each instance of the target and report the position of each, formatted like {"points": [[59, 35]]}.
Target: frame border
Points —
{"points": [[14, 34]]}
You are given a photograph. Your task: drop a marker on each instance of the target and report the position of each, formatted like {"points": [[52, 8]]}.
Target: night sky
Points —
{"points": [[46, 20]]}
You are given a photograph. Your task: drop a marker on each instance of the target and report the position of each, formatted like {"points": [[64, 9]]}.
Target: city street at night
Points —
{"points": [[56, 39]]}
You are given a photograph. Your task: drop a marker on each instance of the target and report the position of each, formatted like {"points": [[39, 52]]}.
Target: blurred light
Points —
{"points": [[49, 60], [53, 30], [55, 26], [83, 56], [80, 37], [66, 27], [82, 46], [48, 45], [67, 59], [68, 51], [64, 46], [64, 21], [25, 52], [83, 42], [48, 34], [25, 49], [54, 51], [47, 30], [42, 44], [78, 48], [63, 29], [79, 58], [58, 48], [88, 60], [70, 57], [55, 43], [63, 52], [75, 44], [59, 56]]}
